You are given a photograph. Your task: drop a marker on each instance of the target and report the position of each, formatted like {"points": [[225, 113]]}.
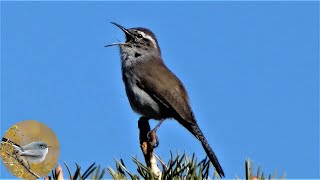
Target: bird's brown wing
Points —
{"points": [[164, 87]]}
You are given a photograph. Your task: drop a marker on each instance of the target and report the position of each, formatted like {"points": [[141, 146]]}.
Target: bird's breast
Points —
{"points": [[141, 102]]}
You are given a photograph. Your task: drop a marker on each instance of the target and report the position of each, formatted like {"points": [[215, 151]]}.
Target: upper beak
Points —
{"points": [[126, 31], [123, 29]]}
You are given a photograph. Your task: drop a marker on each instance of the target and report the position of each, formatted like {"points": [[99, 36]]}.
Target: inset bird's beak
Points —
{"points": [[126, 31]]}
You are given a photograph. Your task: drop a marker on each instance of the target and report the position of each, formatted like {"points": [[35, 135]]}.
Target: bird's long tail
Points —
{"points": [[195, 130]]}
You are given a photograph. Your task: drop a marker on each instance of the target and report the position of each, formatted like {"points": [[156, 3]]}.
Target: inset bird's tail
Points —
{"points": [[9, 141], [195, 130]]}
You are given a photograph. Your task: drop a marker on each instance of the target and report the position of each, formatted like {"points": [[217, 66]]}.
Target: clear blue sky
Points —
{"points": [[251, 70]]}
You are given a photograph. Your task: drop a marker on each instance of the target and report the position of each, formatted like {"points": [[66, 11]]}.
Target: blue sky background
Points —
{"points": [[250, 68]]}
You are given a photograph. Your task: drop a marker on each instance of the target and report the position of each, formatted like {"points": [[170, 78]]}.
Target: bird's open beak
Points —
{"points": [[128, 35]]}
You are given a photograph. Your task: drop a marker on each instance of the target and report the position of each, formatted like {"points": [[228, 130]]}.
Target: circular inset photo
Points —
{"points": [[29, 149]]}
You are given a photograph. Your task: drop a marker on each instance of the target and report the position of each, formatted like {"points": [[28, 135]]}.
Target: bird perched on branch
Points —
{"points": [[153, 90], [34, 152]]}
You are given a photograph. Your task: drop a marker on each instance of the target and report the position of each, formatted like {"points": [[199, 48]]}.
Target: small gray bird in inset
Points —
{"points": [[34, 152], [153, 90]]}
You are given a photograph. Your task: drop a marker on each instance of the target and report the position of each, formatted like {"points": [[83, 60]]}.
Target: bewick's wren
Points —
{"points": [[153, 90]]}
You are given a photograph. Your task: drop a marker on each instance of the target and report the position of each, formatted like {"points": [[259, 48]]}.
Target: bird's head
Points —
{"points": [[139, 39]]}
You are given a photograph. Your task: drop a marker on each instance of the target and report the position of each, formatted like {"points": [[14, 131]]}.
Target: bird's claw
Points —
{"points": [[153, 138]]}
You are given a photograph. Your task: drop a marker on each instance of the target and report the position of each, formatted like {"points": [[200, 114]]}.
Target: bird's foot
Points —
{"points": [[153, 138]]}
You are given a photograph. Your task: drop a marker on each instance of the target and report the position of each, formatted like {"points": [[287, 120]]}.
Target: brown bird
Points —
{"points": [[153, 90]]}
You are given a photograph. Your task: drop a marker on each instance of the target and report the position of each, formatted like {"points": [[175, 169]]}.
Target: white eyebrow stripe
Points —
{"points": [[150, 38]]}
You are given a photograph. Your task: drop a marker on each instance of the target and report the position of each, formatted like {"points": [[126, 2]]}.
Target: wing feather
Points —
{"points": [[164, 87]]}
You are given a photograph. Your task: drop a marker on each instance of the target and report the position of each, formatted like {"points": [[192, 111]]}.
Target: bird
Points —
{"points": [[153, 90], [34, 152]]}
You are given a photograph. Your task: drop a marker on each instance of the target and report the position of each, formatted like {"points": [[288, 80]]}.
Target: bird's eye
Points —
{"points": [[139, 36]]}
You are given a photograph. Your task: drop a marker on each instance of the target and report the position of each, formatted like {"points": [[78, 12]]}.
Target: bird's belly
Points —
{"points": [[35, 160], [141, 102]]}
